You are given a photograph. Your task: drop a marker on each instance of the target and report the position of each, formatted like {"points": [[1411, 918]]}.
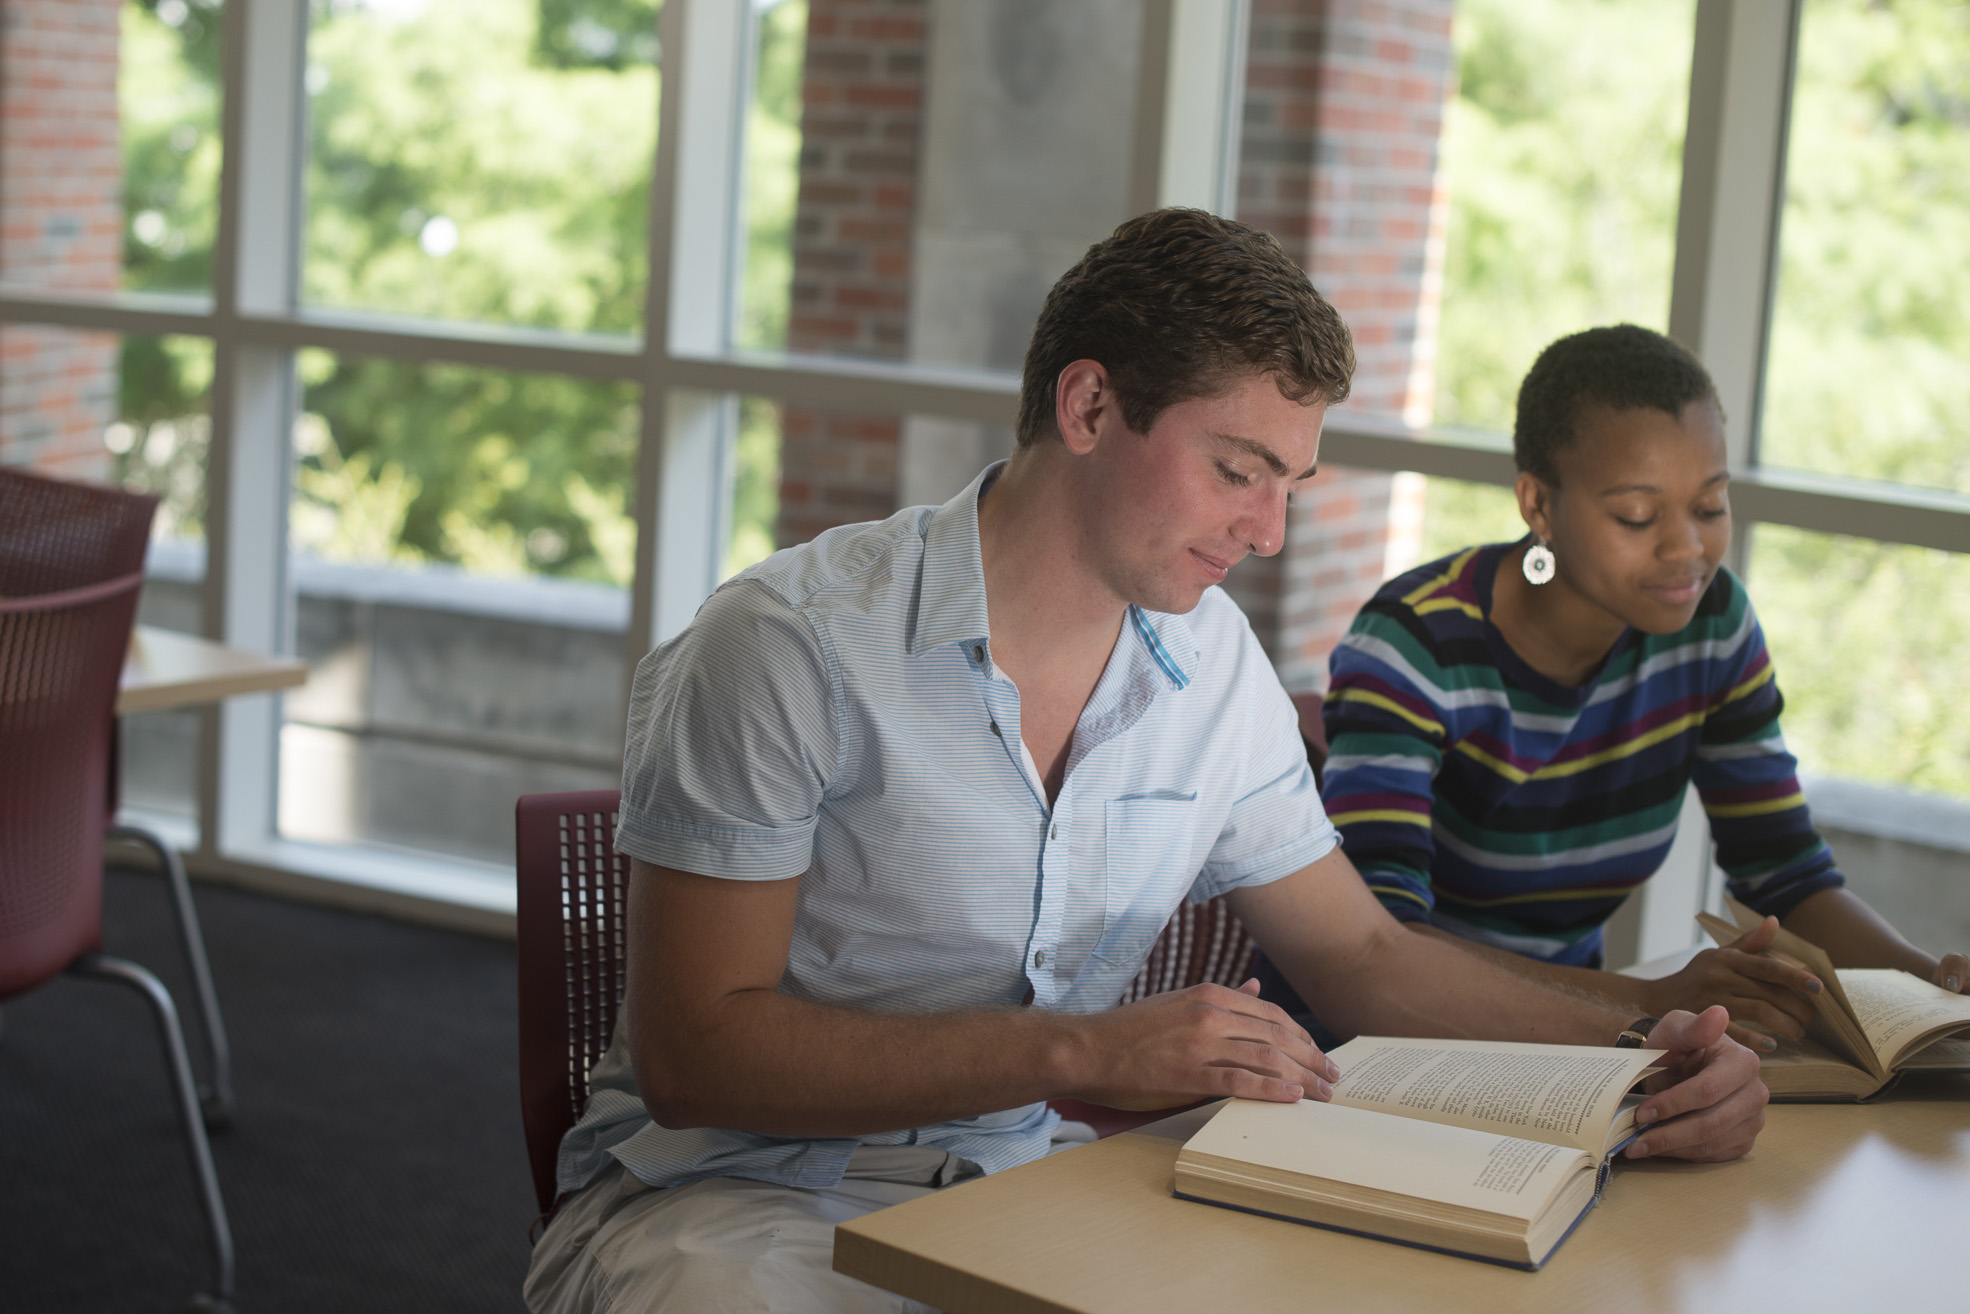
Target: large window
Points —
{"points": [[1562, 152], [1869, 379], [481, 159], [472, 342]]}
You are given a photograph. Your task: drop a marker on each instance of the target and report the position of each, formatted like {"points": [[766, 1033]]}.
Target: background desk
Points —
{"points": [[1840, 1207], [166, 669]]}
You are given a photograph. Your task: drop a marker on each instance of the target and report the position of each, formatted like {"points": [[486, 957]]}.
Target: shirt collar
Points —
{"points": [[951, 590], [951, 594]]}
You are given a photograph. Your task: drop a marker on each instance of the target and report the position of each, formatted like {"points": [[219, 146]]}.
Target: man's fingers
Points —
{"points": [[1240, 1084], [1722, 1131], [1680, 1030], [1716, 1105], [1270, 1061], [1281, 1028]]}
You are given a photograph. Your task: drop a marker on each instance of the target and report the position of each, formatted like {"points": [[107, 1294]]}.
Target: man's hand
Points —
{"points": [[1775, 995], [1205, 1042], [1709, 1104]]}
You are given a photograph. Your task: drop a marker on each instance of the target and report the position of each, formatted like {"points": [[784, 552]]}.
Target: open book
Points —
{"points": [[1481, 1148], [1872, 1023]]}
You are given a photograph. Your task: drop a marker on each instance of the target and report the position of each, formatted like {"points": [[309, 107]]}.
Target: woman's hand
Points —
{"points": [[1774, 995], [1953, 974]]}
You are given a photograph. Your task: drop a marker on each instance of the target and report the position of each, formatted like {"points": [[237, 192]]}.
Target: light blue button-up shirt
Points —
{"points": [[834, 714]]}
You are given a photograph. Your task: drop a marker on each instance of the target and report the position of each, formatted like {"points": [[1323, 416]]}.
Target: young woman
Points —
{"points": [[1512, 728]]}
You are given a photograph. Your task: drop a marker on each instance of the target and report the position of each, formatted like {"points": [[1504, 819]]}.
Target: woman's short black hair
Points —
{"points": [[1623, 366]]}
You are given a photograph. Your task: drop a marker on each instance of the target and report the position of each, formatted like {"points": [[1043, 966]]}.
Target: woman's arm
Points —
{"points": [[1854, 935], [1754, 988]]}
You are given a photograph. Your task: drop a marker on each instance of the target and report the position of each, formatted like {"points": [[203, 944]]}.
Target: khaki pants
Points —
{"points": [[726, 1244]]}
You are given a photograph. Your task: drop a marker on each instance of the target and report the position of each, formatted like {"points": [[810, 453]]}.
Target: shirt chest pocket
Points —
{"points": [[1149, 864]]}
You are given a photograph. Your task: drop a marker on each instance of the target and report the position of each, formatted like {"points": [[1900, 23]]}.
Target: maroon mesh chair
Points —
{"points": [[56, 535], [572, 887], [62, 649]]}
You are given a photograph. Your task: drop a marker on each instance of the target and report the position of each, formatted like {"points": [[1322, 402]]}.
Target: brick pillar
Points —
{"points": [[61, 226], [861, 111], [1343, 119]]}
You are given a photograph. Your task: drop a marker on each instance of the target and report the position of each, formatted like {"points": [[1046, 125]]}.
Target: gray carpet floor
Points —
{"points": [[377, 1161]]}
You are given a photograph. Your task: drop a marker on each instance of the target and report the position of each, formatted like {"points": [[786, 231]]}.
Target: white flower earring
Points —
{"points": [[1538, 564]]}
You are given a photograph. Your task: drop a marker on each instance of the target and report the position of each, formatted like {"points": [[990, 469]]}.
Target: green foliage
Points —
{"points": [[449, 175], [476, 160], [610, 34], [1868, 366], [168, 102], [772, 177], [499, 450], [1869, 378], [1563, 153], [1868, 639], [755, 485]]}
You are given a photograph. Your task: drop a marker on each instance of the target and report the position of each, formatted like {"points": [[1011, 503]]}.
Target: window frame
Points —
{"points": [[1185, 151]]}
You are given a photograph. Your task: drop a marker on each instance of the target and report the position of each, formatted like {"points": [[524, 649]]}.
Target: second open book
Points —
{"points": [[1870, 1024], [1480, 1148]]}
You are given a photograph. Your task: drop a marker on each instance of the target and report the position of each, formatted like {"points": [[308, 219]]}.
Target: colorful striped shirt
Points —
{"points": [[1473, 792]]}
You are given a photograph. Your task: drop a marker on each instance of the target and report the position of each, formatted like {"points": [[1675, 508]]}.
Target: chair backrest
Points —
{"points": [[572, 886], [56, 535], [60, 658]]}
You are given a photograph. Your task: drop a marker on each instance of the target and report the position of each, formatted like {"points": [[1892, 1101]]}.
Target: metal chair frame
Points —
{"points": [[83, 934]]}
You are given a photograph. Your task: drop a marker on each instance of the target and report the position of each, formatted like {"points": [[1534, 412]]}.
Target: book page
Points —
{"points": [[1896, 1008], [1426, 1161], [1558, 1094], [1951, 1054]]}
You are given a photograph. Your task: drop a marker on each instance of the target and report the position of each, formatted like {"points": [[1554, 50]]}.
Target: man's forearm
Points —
{"points": [[765, 1062]]}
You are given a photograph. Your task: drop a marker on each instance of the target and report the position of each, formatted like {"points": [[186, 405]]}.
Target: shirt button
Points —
{"points": [[978, 652], [995, 730], [1054, 833], [1039, 958]]}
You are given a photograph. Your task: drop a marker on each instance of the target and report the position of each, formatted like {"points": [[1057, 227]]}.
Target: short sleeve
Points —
{"points": [[731, 743]]}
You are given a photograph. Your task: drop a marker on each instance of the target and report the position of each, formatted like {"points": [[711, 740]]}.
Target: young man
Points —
{"points": [[909, 805]]}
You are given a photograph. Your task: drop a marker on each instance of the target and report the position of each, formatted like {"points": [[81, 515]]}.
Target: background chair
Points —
{"points": [[572, 889], [64, 630]]}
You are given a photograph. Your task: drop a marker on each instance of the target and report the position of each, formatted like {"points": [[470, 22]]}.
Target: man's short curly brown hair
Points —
{"points": [[1179, 304]]}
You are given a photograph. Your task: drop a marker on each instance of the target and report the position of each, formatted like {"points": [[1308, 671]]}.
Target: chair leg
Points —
{"points": [[215, 1099], [219, 1299]]}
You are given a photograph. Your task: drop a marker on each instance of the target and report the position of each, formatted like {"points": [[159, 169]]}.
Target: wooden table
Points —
{"points": [[1840, 1207], [167, 670]]}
